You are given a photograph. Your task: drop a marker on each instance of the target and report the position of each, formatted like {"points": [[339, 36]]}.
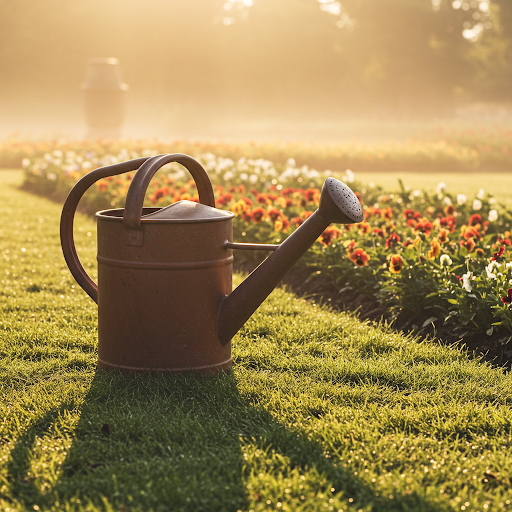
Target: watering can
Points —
{"points": [[164, 292]]}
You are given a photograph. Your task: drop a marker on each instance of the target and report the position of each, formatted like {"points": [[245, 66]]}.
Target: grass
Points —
{"points": [[320, 412]]}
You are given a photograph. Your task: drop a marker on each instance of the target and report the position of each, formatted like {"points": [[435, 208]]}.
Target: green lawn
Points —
{"points": [[320, 412]]}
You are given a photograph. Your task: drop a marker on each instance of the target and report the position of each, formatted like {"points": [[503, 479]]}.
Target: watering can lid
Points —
{"points": [[188, 211]]}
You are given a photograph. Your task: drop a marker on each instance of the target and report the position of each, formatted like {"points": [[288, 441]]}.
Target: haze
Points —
{"points": [[288, 69]]}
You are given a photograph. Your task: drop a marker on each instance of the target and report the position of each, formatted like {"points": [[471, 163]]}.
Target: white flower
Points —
{"points": [[493, 215], [508, 265], [51, 176], [290, 162], [492, 200], [25, 163], [489, 270], [447, 201], [481, 194], [445, 260], [243, 176], [466, 281], [441, 187], [461, 198], [349, 176], [228, 175], [477, 204], [253, 178]]}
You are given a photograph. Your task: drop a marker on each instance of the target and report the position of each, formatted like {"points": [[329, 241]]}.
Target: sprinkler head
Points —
{"points": [[339, 204]]}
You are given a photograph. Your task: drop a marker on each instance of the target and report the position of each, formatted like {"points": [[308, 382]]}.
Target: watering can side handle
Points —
{"points": [[68, 215], [138, 187]]}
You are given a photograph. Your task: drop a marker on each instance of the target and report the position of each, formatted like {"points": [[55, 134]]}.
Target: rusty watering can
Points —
{"points": [[165, 299]]}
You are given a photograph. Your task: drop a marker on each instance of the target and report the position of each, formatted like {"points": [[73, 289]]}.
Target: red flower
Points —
{"points": [[258, 214], [297, 221], [331, 233], [263, 199], [379, 232], [498, 255], [475, 219], [159, 193], [508, 298], [274, 214], [310, 193], [424, 226], [392, 241]]}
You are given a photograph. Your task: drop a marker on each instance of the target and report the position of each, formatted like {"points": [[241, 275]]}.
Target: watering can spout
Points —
{"points": [[337, 204]]}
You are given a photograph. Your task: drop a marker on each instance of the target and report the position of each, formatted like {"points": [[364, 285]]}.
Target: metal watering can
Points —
{"points": [[164, 293]]}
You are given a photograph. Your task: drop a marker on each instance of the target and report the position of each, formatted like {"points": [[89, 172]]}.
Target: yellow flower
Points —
{"points": [[435, 249]]}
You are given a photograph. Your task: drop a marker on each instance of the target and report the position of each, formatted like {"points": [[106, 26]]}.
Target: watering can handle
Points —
{"points": [[71, 203], [137, 191], [68, 215]]}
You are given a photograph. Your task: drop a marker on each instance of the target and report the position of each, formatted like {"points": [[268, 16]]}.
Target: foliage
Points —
{"points": [[427, 258], [320, 410]]}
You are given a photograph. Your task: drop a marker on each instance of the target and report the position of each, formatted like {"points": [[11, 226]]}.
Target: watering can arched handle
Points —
{"points": [[137, 191], [68, 216]]}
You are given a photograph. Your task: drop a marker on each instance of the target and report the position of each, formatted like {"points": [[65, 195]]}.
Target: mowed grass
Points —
{"points": [[496, 183], [321, 411]]}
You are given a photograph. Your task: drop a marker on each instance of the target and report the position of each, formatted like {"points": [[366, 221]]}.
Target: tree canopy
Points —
{"points": [[400, 56]]}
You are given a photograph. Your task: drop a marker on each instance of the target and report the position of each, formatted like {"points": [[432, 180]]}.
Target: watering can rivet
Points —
{"points": [[165, 298]]}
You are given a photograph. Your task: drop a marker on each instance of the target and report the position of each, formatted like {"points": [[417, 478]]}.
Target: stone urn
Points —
{"points": [[104, 95]]}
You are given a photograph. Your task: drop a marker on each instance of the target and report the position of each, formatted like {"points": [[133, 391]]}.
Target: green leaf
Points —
{"points": [[452, 301], [428, 321]]}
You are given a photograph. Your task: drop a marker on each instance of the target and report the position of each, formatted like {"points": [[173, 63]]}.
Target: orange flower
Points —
{"points": [[359, 257], [449, 209], [388, 213], [470, 232], [435, 249], [349, 245], [469, 244], [330, 234], [443, 235], [396, 263], [365, 228]]}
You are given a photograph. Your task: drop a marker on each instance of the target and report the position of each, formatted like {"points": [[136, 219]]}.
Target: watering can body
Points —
{"points": [[158, 303], [164, 292]]}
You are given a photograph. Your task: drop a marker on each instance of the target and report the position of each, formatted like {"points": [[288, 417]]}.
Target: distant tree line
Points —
{"points": [[399, 56]]}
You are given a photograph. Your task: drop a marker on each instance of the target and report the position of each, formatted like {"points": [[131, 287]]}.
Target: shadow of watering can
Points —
{"points": [[164, 293]]}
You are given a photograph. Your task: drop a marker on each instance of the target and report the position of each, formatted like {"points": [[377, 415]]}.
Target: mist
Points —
{"points": [[261, 70]]}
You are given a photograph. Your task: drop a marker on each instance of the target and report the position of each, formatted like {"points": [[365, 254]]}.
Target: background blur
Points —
{"points": [[259, 69]]}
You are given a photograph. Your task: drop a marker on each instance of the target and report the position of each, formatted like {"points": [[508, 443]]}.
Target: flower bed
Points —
{"points": [[434, 258], [450, 150]]}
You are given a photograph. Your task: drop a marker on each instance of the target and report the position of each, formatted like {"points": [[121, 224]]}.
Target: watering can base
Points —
{"points": [[224, 366]]}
